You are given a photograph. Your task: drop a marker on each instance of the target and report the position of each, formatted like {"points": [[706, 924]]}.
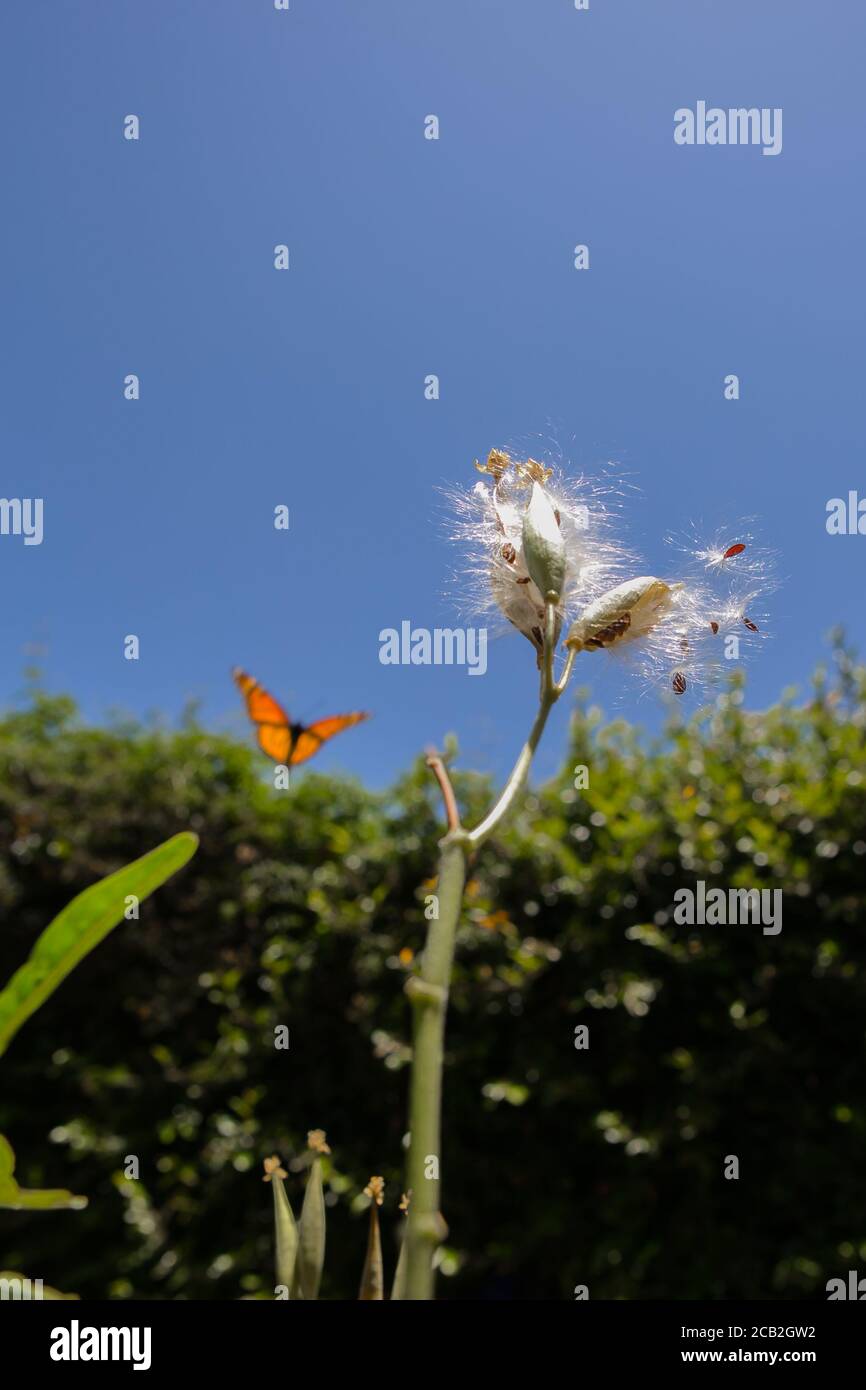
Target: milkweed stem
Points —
{"points": [[428, 990]]}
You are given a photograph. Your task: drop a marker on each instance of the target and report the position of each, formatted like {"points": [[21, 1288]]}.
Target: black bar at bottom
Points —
{"points": [[260, 1341]]}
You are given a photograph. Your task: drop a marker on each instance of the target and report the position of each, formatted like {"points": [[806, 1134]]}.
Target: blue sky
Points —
{"points": [[409, 257]]}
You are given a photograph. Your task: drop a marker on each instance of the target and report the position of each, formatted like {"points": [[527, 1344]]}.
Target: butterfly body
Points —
{"points": [[282, 738]]}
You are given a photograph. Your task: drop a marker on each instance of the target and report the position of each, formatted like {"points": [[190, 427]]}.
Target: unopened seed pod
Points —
{"points": [[543, 545]]}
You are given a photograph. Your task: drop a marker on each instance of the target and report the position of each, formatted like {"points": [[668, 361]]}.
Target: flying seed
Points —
{"points": [[509, 554], [753, 627], [524, 581], [679, 683], [733, 550], [714, 627]]}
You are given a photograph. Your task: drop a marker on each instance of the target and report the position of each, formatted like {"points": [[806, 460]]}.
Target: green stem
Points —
{"points": [[549, 694], [566, 672], [428, 992], [516, 781]]}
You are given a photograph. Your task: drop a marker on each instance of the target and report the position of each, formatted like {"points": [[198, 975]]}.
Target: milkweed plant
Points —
{"points": [[544, 554]]}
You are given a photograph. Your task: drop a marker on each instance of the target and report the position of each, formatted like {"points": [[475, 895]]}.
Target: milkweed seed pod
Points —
{"points": [[543, 545], [516, 588], [622, 615], [532, 533]]}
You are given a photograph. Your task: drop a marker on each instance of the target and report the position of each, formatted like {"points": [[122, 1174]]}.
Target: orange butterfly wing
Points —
{"points": [[273, 727], [283, 741], [275, 740], [261, 707], [310, 739]]}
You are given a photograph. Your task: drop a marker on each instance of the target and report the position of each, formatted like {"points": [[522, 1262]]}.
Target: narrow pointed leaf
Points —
{"points": [[311, 1230], [373, 1277], [286, 1233], [81, 925]]}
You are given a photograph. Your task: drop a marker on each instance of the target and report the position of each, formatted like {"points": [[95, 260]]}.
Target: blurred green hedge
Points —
{"points": [[561, 1167]]}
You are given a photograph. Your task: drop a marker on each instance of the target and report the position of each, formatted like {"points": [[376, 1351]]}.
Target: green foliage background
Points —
{"points": [[561, 1167]]}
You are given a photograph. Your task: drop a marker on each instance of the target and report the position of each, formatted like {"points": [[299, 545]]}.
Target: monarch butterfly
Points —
{"points": [[282, 740]]}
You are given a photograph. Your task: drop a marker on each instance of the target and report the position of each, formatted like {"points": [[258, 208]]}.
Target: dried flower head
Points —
{"points": [[273, 1169], [375, 1190]]}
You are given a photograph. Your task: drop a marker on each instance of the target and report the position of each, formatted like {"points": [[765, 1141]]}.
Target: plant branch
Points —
{"points": [[566, 672], [549, 694], [440, 772]]}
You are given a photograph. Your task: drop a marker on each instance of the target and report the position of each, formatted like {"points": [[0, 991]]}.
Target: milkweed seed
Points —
{"points": [[679, 683], [753, 627], [509, 554], [714, 627], [733, 550], [606, 635]]}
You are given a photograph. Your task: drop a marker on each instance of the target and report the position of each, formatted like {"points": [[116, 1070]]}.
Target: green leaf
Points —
{"points": [[286, 1235], [311, 1230], [81, 925], [30, 1199]]}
